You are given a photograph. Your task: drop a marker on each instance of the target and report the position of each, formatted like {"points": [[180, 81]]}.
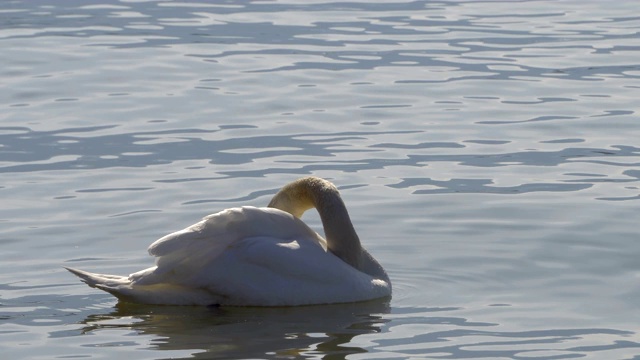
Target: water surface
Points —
{"points": [[487, 152]]}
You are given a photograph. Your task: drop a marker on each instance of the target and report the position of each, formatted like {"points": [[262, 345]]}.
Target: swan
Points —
{"points": [[249, 256]]}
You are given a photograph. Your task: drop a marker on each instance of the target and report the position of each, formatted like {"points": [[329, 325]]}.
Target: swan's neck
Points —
{"points": [[311, 192]]}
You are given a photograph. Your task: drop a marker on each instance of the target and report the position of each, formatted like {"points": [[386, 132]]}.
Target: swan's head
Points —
{"points": [[312, 192], [302, 195]]}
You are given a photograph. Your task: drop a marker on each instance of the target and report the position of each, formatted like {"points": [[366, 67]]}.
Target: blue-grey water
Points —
{"points": [[488, 152]]}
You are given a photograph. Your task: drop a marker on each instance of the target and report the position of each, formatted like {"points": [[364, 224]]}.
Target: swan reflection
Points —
{"points": [[232, 332]]}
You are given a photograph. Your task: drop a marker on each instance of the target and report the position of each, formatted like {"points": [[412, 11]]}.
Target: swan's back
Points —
{"points": [[190, 249]]}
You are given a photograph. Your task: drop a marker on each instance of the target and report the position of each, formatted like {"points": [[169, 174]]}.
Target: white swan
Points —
{"points": [[258, 257]]}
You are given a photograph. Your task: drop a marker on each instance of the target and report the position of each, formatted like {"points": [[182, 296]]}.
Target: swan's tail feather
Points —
{"points": [[125, 290], [99, 280], [118, 286]]}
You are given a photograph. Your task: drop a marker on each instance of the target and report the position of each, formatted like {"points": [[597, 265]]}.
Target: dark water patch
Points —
{"points": [[562, 141], [189, 179], [390, 106], [114, 189], [488, 142], [24, 146], [622, 198], [540, 100], [535, 119], [615, 113], [424, 145], [482, 186]]}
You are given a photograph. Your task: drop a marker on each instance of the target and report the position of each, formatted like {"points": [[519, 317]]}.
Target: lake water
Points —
{"points": [[487, 150]]}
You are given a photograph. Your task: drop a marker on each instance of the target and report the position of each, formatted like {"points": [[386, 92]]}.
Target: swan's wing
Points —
{"points": [[210, 229], [273, 272], [184, 253], [241, 222]]}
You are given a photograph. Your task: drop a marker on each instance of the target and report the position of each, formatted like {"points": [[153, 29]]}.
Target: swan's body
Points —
{"points": [[258, 257]]}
